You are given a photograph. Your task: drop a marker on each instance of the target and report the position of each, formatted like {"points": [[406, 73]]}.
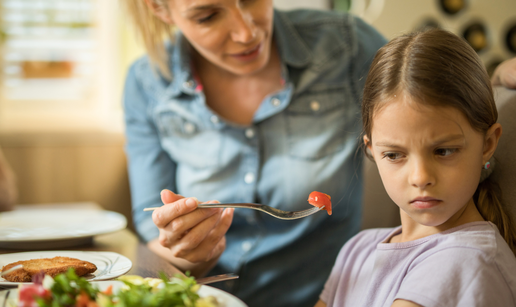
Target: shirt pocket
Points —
{"points": [[187, 141], [320, 123]]}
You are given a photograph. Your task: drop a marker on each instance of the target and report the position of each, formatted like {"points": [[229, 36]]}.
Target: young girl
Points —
{"points": [[430, 125]]}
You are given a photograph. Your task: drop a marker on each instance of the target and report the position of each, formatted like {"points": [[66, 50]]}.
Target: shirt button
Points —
{"points": [[246, 246], [249, 178], [315, 106], [275, 102], [188, 84], [214, 119], [189, 128], [249, 133]]}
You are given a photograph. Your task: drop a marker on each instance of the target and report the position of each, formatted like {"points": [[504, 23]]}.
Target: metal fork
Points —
{"points": [[277, 213], [216, 278]]}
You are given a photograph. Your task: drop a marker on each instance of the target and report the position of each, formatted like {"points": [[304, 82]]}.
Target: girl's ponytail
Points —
{"points": [[152, 31], [488, 200]]}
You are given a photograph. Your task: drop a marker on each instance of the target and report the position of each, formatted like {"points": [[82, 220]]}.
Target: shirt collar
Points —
{"points": [[293, 50], [181, 68]]}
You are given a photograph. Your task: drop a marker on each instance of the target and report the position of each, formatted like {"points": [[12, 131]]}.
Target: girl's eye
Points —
{"points": [[206, 19], [444, 152], [392, 156]]}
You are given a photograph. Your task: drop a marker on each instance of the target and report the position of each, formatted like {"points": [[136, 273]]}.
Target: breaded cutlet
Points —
{"points": [[50, 266]]}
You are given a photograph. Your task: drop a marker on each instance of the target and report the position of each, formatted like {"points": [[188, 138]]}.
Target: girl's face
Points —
{"points": [[234, 35], [429, 159]]}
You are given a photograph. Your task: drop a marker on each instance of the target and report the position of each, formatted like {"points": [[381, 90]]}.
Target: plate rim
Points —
{"points": [[234, 297], [119, 221]]}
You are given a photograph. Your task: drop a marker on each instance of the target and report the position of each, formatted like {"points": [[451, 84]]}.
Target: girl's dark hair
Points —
{"points": [[436, 67]]}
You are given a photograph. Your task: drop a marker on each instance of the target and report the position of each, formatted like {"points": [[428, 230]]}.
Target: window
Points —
{"points": [[59, 61]]}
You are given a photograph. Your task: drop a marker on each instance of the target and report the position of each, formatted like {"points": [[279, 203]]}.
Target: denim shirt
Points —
{"points": [[302, 138]]}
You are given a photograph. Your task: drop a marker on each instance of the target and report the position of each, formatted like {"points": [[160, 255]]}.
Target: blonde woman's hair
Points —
{"points": [[152, 31], [436, 67]]}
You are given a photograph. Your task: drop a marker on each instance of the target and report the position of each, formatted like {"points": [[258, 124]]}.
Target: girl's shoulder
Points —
{"points": [[477, 239], [483, 237], [481, 242], [470, 265]]}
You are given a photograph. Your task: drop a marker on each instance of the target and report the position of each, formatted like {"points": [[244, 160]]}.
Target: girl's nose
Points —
{"points": [[244, 30], [421, 175]]}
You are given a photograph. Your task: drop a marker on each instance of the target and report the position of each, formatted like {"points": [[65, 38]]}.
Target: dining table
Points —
{"points": [[145, 263]]}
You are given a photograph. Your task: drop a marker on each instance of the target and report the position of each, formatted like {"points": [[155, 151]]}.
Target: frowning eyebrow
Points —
{"points": [[448, 138], [385, 144]]}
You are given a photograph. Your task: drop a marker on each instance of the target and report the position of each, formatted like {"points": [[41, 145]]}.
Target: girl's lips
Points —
{"points": [[249, 55], [425, 202]]}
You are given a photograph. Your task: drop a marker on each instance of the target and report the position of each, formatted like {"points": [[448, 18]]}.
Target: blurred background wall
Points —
{"points": [[63, 64]]}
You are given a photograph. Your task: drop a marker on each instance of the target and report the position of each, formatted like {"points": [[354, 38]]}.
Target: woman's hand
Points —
{"points": [[192, 234], [505, 74]]}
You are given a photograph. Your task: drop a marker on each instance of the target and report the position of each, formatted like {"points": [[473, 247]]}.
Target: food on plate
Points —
{"points": [[70, 290], [320, 200], [49, 266]]}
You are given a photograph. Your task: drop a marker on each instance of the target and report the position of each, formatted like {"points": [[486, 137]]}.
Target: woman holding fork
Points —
{"points": [[242, 103]]}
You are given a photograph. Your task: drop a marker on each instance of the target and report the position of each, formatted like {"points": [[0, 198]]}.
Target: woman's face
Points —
{"points": [[234, 35]]}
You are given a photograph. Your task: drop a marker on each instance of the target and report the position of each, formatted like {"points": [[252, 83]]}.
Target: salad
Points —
{"points": [[70, 290]]}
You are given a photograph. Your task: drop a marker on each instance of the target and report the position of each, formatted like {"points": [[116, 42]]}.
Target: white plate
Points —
{"points": [[109, 264], [49, 228], [225, 299]]}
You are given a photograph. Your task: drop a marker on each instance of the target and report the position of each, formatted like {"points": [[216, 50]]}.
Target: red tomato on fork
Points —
{"points": [[320, 200]]}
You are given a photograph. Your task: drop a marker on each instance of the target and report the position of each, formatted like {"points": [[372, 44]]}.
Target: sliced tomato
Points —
{"points": [[320, 200]]}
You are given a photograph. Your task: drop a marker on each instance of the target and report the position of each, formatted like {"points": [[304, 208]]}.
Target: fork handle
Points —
{"points": [[231, 205]]}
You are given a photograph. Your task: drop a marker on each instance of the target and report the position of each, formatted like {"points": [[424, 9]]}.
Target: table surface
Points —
{"points": [[125, 242]]}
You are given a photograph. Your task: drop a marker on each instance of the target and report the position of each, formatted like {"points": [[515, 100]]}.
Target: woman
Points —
{"points": [[247, 104]]}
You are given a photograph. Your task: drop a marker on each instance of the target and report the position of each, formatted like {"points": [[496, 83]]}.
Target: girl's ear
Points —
{"points": [[159, 11], [491, 141], [367, 143]]}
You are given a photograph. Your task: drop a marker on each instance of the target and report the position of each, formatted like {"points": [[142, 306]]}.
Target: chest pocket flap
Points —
{"points": [[188, 142]]}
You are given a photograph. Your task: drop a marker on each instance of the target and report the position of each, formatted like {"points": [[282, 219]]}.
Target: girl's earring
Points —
{"points": [[487, 169], [487, 165]]}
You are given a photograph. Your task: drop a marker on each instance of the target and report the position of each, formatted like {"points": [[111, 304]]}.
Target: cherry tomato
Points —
{"points": [[109, 290], [27, 294], [82, 300], [320, 200]]}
